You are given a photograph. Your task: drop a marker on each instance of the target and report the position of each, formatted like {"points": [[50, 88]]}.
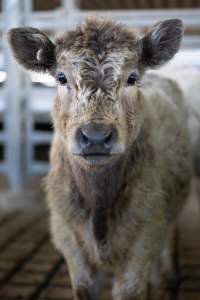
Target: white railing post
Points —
{"points": [[70, 5], [14, 88]]}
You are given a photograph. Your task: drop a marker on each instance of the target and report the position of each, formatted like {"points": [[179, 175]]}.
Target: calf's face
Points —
{"points": [[99, 110]]}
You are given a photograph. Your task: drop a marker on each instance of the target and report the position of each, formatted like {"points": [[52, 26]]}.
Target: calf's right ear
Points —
{"points": [[32, 49]]}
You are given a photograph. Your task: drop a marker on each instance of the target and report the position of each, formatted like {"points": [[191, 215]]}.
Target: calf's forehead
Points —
{"points": [[92, 73], [98, 52], [107, 61]]}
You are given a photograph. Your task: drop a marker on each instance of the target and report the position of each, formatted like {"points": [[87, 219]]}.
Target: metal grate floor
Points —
{"points": [[30, 268]]}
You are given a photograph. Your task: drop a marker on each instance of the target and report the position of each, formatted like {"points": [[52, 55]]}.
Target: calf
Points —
{"points": [[120, 159]]}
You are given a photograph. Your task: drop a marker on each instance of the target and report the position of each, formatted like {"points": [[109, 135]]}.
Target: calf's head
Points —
{"points": [[98, 66]]}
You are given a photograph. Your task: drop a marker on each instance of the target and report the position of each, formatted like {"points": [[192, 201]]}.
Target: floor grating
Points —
{"points": [[31, 269]]}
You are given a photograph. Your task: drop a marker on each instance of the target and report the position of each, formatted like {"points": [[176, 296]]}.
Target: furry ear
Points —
{"points": [[161, 42], [32, 49]]}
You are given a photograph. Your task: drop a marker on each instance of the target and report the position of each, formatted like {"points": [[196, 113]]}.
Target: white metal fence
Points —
{"points": [[24, 102]]}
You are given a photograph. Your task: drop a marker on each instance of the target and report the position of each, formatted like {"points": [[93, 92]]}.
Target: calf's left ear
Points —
{"points": [[161, 43], [32, 49]]}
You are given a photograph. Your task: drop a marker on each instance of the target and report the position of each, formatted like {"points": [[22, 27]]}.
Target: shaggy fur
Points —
{"points": [[115, 215], [188, 79]]}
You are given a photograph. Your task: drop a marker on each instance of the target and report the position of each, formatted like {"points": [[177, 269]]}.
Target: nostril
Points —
{"points": [[108, 139], [84, 139]]}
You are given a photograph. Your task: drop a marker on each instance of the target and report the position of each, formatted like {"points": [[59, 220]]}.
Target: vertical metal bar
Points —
{"points": [[29, 133], [70, 5], [28, 7], [13, 98]]}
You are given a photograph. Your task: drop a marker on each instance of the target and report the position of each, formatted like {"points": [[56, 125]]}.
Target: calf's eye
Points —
{"points": [[62, 78], [132, 79]]}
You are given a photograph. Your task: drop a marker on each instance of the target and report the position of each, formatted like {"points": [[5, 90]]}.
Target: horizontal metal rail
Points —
{"points": [[138, 18]]}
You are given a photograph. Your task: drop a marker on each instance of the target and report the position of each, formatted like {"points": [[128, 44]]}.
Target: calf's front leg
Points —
{"points": [[130, 285], [132, 277], [82, 274]]}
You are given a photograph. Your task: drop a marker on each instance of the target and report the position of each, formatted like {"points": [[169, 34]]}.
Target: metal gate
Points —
{"points": [[26, 101]]}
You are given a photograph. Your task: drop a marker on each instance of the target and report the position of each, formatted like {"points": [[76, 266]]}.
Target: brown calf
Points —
{"points": [[120, 158]]}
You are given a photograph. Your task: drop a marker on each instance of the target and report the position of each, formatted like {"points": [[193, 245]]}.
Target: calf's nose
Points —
{"points": [[96, 138]]}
